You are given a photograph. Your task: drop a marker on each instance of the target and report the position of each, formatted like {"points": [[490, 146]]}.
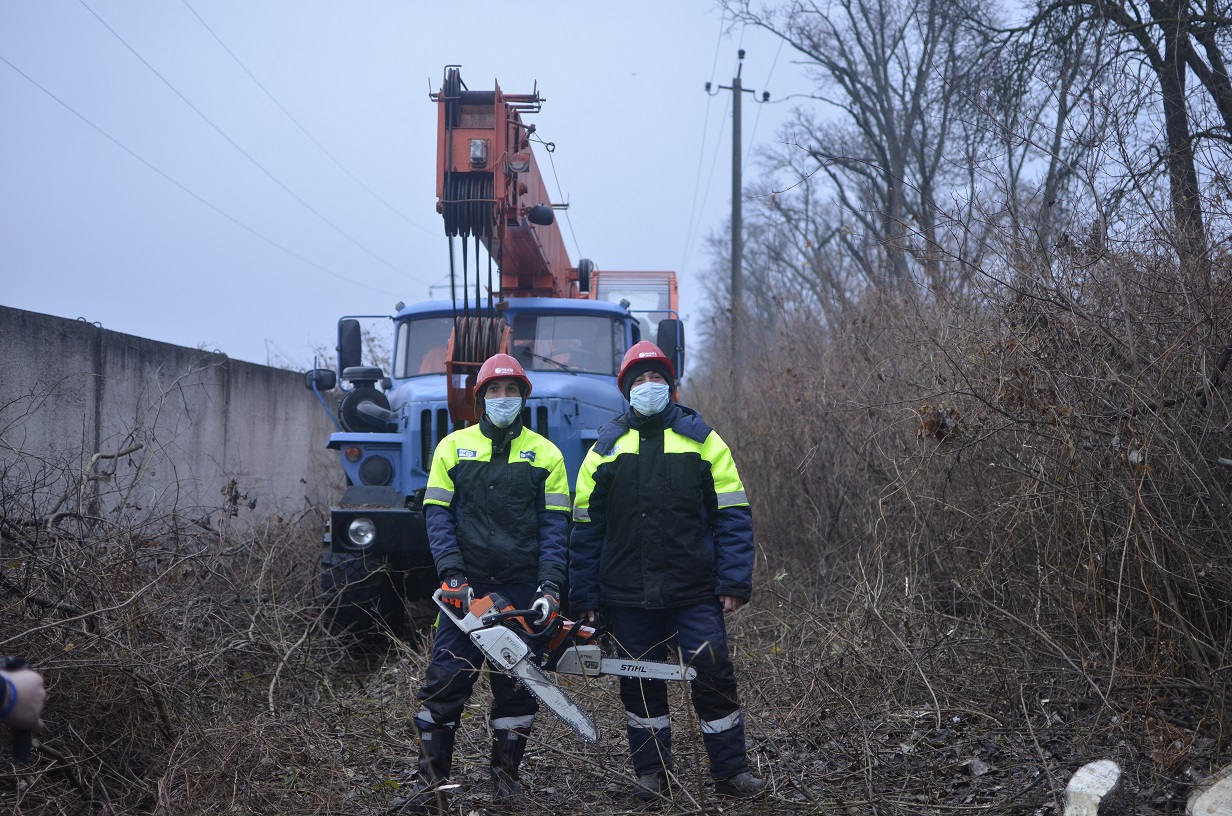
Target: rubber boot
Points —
{"points": [[435, 763], [508, 747]]}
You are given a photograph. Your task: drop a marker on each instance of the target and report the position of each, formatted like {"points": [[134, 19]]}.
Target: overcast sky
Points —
{"points": [[236, 174]]}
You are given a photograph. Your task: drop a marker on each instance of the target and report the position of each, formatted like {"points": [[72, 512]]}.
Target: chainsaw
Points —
{"points": [[507, 639]]}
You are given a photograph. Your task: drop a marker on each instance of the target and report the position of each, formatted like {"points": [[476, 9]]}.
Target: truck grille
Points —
{"points": [[540, 419], [433, 427]]}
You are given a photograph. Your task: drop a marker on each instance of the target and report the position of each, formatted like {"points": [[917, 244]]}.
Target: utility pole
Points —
{"points": [[737, 196]]}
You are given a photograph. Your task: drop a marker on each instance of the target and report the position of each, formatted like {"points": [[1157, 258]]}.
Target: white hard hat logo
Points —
{"points": [[504, 371]]}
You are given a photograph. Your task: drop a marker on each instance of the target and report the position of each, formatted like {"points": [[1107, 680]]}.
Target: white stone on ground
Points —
{"points": [[1091, 790]]}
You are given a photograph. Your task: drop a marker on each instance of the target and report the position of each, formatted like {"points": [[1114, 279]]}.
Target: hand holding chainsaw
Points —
{"points": [[456, 592], [546, 603]]}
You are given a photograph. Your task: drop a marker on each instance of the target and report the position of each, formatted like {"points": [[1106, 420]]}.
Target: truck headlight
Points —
{"points": [[362, 532]]}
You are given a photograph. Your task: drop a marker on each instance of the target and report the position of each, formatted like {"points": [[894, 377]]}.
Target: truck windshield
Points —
{"points": [[421, 346], [584, 343], [555, 342]]}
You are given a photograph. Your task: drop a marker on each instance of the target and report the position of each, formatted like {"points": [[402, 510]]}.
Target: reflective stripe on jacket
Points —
{"points": [[660, 516], [497, 506]]}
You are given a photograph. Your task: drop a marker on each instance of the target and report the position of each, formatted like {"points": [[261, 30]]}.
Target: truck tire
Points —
{"points": [[360, 595]]}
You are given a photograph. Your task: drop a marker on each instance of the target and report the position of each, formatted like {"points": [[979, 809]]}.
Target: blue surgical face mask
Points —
{"points": [[502, 411], [649, 398]]}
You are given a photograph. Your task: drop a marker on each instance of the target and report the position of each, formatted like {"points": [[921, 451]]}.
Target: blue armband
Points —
{"points": [[11, 698]]}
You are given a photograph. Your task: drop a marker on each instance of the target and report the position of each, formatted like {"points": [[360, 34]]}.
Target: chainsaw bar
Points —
{"points": [[587, 660], [508, 652]]}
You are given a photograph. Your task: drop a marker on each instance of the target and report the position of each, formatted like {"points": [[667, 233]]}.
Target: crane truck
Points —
{"points": [[568, 326]]}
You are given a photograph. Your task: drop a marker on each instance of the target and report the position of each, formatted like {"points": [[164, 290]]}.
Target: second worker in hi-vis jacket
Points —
{"points": [[663, 544]]}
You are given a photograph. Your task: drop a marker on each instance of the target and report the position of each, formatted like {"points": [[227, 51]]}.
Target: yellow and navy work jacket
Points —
{"points": [[660, 516], [497, 505]]}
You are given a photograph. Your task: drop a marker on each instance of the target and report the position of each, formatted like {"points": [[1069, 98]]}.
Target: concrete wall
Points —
{"points": [[207, 439]]}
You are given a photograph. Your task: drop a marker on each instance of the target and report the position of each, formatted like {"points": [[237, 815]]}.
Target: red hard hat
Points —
{"points": [[640, 357], [496, 367]]}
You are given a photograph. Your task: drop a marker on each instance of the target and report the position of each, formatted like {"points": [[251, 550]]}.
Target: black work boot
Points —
{"points": [[508, 746], [652, 785], [741, 786], [435, 763]]}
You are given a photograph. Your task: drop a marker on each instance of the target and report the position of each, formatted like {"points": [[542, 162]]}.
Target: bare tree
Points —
{"points": [[1172, 39], [1041, 102], [897, 74]]}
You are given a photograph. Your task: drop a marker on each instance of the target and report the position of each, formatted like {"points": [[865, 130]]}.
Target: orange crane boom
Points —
{"points": [[488, 185]]}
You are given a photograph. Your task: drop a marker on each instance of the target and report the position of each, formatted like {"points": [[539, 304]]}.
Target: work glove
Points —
{"points": [[456, 592], [547, 603]]}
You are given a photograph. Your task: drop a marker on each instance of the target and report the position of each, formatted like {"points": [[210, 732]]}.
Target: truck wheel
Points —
{"points": [[360, 595]]}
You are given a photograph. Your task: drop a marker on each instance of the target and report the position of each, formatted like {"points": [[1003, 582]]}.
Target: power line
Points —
{"points": [[694, 215], [752, 136], [304, 130], [245, 153], [216, 209]]}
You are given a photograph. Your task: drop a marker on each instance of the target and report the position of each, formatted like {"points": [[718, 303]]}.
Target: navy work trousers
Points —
{"points": [[699, 634]]}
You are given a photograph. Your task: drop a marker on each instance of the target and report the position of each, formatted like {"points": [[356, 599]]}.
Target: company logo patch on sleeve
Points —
{"points": [[530, 455], [466, 453]]}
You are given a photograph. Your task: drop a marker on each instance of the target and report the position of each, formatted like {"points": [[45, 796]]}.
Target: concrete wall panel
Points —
{"points": [[216, 440]]}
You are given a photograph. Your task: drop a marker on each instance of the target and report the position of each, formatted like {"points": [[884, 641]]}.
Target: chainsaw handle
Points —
{"points": [[497, 617], [22, 737], [527, 616]]}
